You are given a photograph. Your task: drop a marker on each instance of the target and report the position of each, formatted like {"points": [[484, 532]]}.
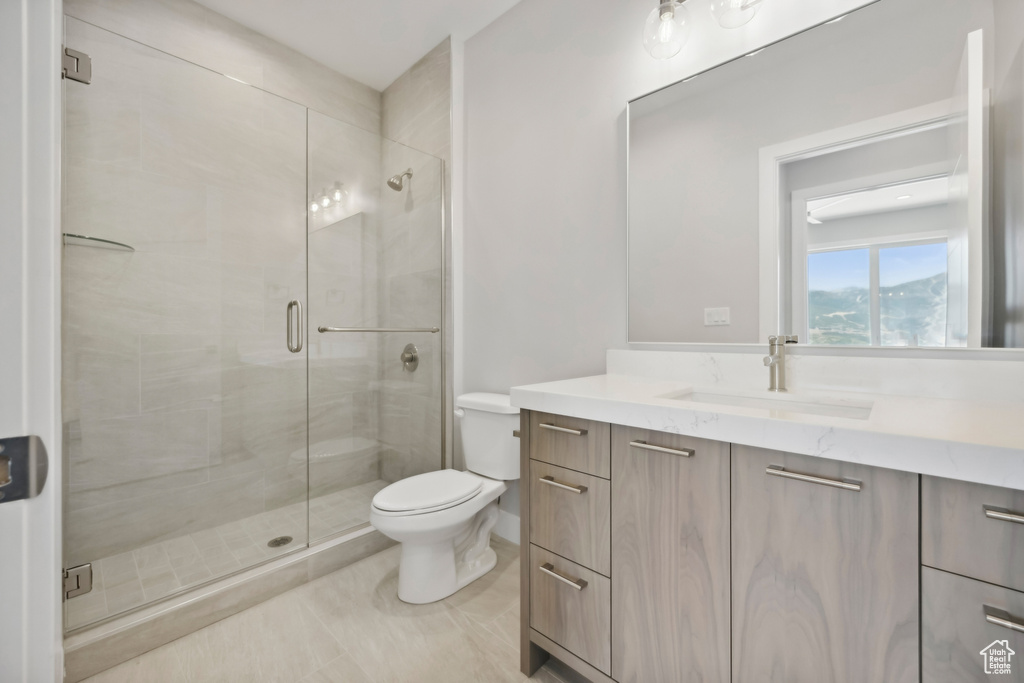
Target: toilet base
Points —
{"points": [[429, 572]]}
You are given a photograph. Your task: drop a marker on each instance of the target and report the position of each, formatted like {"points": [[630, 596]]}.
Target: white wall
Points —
{"points": [[540, 214], [30, 531], [543, 231]]}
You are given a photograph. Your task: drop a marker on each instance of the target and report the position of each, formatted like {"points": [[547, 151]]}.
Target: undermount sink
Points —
{"points": [[782, 404]]}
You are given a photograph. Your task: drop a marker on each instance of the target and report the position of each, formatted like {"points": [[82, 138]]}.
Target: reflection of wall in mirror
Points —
{"points": [[693, 189], [1008, 176]]}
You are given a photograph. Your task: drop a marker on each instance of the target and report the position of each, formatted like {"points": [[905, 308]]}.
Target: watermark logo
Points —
{"points": [[997, 657]]}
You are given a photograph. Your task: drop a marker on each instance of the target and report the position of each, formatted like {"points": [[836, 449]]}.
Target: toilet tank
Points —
{"points": [[487, 422]]}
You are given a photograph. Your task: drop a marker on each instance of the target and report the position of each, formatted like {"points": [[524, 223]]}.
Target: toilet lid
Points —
{"points": [[433, 490]]}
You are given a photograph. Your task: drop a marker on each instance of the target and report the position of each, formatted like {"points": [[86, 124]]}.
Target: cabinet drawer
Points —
{"points": [[571, 442], [956, 628], [570, 515], [571, 605], [968, 529]]}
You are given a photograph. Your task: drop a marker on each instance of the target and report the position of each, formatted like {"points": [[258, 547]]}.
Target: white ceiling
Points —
{"points": [[913, 194], [372, 41]]}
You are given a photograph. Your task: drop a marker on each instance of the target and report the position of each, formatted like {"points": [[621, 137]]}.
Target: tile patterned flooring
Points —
{"points": [[350, 627], [125, 581]]}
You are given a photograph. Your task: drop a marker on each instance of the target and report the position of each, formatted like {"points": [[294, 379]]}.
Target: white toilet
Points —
{"points": [[444, 519]]}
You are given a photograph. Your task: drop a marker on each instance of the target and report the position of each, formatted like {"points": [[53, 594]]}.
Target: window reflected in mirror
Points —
{"points": [[877, 266]]}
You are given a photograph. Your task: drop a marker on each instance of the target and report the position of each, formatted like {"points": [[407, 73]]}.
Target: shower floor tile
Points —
{"points": [[350, 627], [129, 580]]}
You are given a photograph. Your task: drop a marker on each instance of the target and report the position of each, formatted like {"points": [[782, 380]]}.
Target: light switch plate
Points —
{"points": [[716, 316]]}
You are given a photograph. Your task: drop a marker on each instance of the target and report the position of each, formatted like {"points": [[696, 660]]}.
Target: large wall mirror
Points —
{"points": [[859, 184]]}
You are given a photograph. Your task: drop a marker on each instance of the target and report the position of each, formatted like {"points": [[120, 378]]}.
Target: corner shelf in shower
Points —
{"points": [[72, 240]]}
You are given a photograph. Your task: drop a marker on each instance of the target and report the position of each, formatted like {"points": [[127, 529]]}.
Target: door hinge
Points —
{"points": [[77, 581], [76, 65]]}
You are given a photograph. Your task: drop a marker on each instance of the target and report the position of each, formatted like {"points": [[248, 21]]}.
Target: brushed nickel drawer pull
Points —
{"points": [[998, 617], [551, 481], [549, 569], [685, 452], [1004, 515], [564, 430], [779, 471]]}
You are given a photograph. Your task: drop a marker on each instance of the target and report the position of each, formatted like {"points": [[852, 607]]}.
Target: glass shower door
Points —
{"points": [[375, 279], [185, 414]]}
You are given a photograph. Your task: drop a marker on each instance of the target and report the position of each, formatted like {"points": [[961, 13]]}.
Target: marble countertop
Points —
{"points": [[974, 441]]}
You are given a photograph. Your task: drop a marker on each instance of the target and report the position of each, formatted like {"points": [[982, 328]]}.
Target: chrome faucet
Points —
{"points": [[775, 361]]}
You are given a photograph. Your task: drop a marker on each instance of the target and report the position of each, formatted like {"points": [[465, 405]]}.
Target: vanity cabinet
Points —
{"points": [[825, 570], [655, 557], [670, 557]]}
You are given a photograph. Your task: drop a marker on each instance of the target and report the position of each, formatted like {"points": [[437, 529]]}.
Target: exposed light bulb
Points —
{"points": [[314, 206], [734, 13], [325, 201], [667, 29], [336, 193]]}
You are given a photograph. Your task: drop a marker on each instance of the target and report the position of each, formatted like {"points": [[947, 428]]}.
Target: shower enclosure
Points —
{"points": [[214, 229]]}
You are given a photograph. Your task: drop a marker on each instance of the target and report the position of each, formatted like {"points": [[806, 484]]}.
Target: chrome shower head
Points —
{"points": [[395, 182]]}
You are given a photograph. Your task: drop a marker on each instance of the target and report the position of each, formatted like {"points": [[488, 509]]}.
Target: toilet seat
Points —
{"points": [[427, 492]]}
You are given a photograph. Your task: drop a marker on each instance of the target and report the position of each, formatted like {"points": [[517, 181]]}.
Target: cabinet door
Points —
{"points": [[825, 579], [670, 557]]}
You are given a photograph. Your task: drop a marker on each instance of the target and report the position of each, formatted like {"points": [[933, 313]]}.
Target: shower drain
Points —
{"points": [[279, 541]]}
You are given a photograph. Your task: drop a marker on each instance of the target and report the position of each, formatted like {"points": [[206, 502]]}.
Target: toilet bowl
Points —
{"points": [[444, 519]]}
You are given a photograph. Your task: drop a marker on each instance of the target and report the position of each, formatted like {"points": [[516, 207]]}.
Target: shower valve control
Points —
{"points": [[410, 357]]}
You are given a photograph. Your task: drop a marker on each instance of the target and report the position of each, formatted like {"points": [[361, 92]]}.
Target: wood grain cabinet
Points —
{"points": [[825, 570], [973, 530], [973, 610], [670, 557], [961, 619], [571, 605], [661, 558], [571, 515]]}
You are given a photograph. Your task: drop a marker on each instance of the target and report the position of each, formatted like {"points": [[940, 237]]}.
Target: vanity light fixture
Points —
{"points": [[667, 29], [734, 13], [668, 26]]}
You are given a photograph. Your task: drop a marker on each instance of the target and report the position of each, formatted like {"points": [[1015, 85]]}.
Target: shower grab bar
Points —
{"points": [[432, 330]]}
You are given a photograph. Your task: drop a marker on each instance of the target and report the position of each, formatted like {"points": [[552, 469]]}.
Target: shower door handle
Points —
{"points": [[294, 332]]}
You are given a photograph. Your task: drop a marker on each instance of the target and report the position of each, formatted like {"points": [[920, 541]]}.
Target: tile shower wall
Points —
{"points": [[199, 35], [410, 402], [417, 114]]}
